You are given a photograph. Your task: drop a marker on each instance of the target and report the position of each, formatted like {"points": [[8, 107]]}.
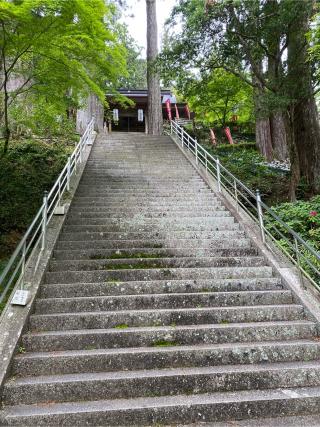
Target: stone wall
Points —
{"points": [[94, 108]]}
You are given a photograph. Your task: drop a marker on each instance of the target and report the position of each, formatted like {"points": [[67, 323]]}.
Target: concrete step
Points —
{"points": [[155, 201], [100, 235], [220, 406], [179, 181], [157, 274], [151, 253], [165, 317], [221, 224], [128, 224], [127, 187], [160, 357], [156, 244], [175, 209], [102, 191], [146, 198], [158, 286], [157, 262], [164, 382], [162, 301], [141, 215], [118, 337], [157, 309]]}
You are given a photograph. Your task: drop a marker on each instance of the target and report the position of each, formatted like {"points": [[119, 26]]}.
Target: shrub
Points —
{"points": [[28, 169]]}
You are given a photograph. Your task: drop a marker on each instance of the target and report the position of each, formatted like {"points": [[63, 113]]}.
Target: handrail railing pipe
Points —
{"points": [[301, 253], [35, 238], [44, 221], [68, 173], [196, 151], [218, 174], [260, 213]]}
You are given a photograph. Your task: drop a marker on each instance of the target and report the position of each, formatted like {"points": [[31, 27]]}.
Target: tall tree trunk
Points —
{"points": [[6, 127], [279, 137], [263, 129], [277, 119], [155, 121], [303, 111], [263, 138]]}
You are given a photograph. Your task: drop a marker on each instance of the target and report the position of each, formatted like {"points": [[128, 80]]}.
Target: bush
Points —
{"points": [[245, 163], [303, 217], [26, 171]]}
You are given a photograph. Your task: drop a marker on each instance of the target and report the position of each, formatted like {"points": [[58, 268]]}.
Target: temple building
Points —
{"points": [[135, 118]]}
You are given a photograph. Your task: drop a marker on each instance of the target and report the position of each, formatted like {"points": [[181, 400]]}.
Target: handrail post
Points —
{"points": [[218, 175], [236, 194], [171, 127], [182, 132], [59, 192], [23, 266], [80, 150], [260, 215], [206, 160], [68, 173], [44, 220], [196, 149]]}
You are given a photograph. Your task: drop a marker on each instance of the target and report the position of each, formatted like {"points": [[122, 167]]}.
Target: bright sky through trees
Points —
{"points": [[135, 19]]}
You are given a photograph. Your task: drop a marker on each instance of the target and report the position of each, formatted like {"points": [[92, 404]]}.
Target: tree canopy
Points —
{"points": [[56, 51], [265, 44]]}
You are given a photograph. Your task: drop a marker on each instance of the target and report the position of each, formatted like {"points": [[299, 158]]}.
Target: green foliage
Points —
{"points": [[248, 166], [57, 52], [217, 96], [29, 168], [136, 76], [303, 217]]}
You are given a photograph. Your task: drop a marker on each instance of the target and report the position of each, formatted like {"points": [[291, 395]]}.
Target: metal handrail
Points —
{"points": [[301, 253], [14, 271]]}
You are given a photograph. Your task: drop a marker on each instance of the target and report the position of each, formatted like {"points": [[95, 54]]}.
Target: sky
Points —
{"points": [[137, 24]]}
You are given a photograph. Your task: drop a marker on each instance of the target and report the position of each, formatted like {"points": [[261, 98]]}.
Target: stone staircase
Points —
{"points": [[157, 309]]}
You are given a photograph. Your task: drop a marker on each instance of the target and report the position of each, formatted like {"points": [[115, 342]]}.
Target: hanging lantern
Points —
{"points": [[115, 115], [140, 115]]}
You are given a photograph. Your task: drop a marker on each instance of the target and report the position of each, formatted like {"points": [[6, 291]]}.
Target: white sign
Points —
{"points": [[116, 115], [140, 115], [21, 297]]}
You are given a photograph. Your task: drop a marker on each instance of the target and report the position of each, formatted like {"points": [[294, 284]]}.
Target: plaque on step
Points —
{"points": [[21, 297], [59, 210]]}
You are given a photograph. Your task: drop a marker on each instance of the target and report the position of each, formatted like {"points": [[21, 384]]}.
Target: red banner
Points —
{"points": [[213, 137], [168, 105], [228, 134], [177, 111], [188, 111]]}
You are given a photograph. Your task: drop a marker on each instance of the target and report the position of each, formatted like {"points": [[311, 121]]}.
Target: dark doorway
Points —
{"points": [[129, 124]]}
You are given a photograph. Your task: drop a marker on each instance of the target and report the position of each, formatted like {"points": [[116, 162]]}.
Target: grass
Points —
{"points": [[121, 326], [224, 322], [128, 255], [125, 266], [154, 245], [164, 343], [22, 350], [89, 347]]}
